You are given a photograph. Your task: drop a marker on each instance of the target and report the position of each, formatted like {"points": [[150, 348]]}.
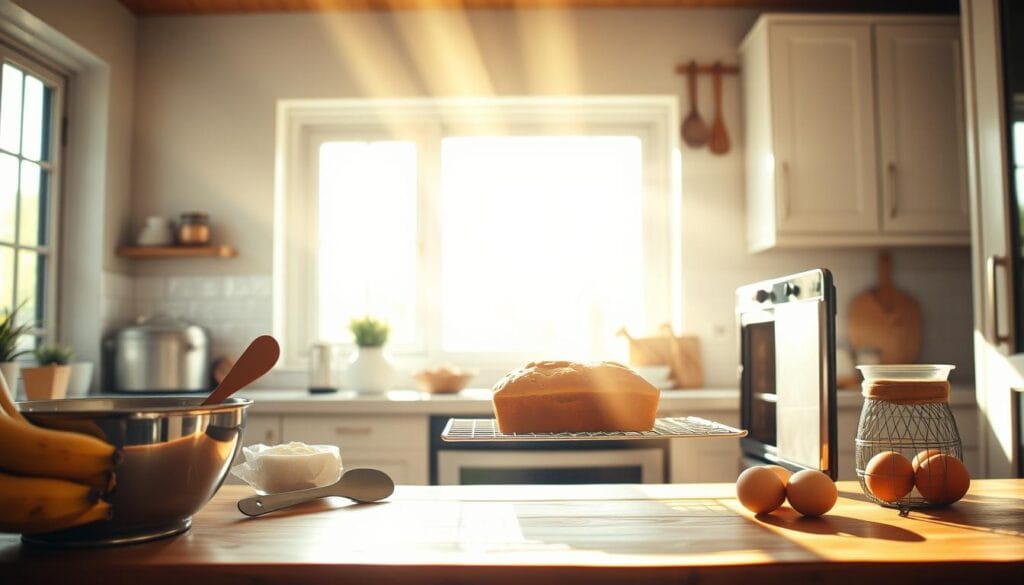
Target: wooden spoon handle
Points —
{"points": [[256, 360]]}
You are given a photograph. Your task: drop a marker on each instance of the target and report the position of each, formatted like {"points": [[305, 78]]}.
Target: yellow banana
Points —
{"points": [[25, 499], [31, 450], [5, 400], [91, 513]]}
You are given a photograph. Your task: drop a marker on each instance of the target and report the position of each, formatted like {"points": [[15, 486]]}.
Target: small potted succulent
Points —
{"points": [[49, 379], [10, 334], [369, 368]]}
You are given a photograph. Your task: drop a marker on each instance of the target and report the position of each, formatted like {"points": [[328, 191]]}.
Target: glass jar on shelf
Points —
{"points": [[194, 228]]}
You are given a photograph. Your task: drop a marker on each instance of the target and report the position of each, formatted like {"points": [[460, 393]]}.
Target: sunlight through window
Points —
{"points": [[541, 243]]}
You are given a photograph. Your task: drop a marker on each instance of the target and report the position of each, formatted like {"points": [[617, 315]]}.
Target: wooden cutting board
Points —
{"points": [[680, 352], [886, 318]]}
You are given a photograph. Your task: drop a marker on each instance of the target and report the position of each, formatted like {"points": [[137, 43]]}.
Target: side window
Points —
{"points": [[30, 111]]}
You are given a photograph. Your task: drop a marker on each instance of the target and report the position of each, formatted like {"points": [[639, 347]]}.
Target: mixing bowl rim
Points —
{"points": [[138, 411]]}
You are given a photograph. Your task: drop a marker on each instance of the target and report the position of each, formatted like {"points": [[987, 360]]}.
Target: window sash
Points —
{"points": [[304, 125], [50, 251]]}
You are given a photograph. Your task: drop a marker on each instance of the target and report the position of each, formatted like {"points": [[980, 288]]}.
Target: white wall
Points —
{"points": [[204, 133]]}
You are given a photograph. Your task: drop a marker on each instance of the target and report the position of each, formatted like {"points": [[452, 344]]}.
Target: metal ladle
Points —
{"points": [[361, 485], [256, 360]]}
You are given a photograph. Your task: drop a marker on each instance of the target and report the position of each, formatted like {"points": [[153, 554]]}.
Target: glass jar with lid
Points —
{"points": [[194, 228]]}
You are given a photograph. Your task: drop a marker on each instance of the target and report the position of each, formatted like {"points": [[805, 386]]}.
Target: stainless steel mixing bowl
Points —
{"points": [[176, 455]]}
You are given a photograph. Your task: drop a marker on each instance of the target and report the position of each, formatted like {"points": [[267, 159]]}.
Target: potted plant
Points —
{"points": [[49, 379], [369, 368], [10, 333]]}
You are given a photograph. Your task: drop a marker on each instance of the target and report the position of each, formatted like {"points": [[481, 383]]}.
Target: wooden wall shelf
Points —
{"points": [[177, 251]]}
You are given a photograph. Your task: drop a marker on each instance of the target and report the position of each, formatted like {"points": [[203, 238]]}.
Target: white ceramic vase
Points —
{"points": [[370, 371], [80, 379], [9, 370]]}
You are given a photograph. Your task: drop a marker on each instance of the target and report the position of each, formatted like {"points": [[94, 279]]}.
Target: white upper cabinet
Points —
{"points": [[854, 132], [921, 128], [824, 121]]}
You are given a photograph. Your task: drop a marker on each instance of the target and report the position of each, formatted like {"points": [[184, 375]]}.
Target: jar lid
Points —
{"points": [[195, 216], [906, 372]]}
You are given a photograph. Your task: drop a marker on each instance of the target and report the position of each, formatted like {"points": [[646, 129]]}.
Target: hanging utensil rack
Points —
{"points": [[717, 140]]}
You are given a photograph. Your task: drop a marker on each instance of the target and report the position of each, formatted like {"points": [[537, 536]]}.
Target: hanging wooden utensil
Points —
{"points": [[719, 141], [695, 132], [886, 319]]}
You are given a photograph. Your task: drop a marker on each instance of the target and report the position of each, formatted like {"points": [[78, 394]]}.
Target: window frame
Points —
{"points": [[302, 125], [57, 80]]}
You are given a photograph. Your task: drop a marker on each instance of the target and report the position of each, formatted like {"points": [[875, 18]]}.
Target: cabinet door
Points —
{"points": [[702, 460], [397, 445], [921, 128], [262, 428], [823, 114]]}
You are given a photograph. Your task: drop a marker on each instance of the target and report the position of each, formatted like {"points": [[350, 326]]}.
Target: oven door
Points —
{"points": [[787, 371], [476, 467]]}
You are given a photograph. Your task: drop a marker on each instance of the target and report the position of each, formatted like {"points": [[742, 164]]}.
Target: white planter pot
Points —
{"points": [[10, 370], [80, 379], [370, 371]]}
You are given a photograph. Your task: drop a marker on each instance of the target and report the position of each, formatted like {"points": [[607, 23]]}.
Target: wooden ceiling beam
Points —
{"points": [[180, 7]]}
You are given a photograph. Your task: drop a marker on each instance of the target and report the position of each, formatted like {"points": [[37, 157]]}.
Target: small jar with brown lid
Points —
{"points": [[905, 421], [194, 229]]}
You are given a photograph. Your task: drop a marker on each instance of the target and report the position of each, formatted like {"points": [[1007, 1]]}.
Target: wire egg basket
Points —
{"points": [[910, 417]]}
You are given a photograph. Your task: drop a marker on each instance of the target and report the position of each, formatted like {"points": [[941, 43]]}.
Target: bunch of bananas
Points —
{"points": [[49, 479]]}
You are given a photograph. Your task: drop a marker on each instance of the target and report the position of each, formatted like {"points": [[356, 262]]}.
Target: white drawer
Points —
{"points": [[352, 433], [404, 467]]}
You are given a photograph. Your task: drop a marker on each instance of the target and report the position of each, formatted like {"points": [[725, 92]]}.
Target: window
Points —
{"points": [[30, 105], [483, 231]]}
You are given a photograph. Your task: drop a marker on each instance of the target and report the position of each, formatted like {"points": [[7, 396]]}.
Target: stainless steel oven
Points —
{"points": [[787, 371], [544, 462]]}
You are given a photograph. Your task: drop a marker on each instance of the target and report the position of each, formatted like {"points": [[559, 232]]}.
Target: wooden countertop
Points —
{"points": [[562, 534]]}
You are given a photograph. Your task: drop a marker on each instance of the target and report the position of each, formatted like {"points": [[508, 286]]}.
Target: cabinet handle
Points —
{"points": [[993, 308], [890, 171], [352, 430], [784, 191]]}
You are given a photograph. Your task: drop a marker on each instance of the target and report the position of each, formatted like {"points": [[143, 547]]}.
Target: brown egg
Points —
{"points": [[760, 490], [812, 493], [942, 479], [920, 457], [780, 471], [889, 476]]}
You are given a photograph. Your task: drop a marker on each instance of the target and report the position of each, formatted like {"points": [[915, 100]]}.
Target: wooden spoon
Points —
{"points": [[256, 360], [695, 131], [361, 485], [719, 142]]}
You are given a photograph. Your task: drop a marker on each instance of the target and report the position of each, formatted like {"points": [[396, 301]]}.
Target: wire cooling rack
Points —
{"points": [[484, 430]]}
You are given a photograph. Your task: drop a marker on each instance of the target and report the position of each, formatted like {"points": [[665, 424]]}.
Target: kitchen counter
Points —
{"points": [[590, 534], [477, 401]]}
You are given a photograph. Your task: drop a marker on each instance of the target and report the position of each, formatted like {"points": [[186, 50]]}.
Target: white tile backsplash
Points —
{"points": [[235, 309]]}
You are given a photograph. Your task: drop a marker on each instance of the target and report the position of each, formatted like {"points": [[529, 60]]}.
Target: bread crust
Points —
{"points": [[563, 396]]}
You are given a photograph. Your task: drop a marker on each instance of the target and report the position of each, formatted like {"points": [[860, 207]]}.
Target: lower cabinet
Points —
{"points": [[396, 445], [702, 460]]}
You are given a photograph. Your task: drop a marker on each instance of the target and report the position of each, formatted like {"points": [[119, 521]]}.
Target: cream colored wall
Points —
{"points": [[106, 29], [204, 132]]}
